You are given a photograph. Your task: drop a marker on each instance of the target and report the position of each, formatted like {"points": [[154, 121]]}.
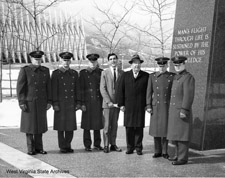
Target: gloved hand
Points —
{"points": [[78, 106], [110, 104], [122, 108], [56, 108], [149, 110], [83, 108], [48, 106], [23, 107], [182, 115]]}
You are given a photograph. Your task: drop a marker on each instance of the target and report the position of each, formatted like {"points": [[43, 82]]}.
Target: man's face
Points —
{"points": [[136, 66], [66, 63], [179, 67], [113, 61], [162, 67], [93, 64], [36, 61]]}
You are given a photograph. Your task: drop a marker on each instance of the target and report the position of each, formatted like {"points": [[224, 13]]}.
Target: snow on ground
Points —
{"points": [[10, 114]]}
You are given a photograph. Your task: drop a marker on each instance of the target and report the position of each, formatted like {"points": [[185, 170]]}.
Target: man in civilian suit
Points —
{"points": [[108, 88], [132, 101]]}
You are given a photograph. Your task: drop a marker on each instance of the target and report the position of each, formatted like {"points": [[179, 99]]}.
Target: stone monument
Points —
{"points": [[199, 34]]}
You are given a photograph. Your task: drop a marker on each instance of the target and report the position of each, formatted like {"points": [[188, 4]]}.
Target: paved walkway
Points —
{"points": [[14, 162], [98, 164], [28, 164]]}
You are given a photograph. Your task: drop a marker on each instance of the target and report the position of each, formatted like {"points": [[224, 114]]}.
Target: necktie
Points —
{"points": [[114, 77]]}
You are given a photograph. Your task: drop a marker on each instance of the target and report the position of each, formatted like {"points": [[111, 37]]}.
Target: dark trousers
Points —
{"points": [[110, 118], [34, 142], [87, 138], [65, 139], [181, 150], [161, 145], [134, 137]]}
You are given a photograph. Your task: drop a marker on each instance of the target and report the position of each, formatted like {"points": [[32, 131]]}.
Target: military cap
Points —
{"points": [[66, 55], [36, 54], [135, 57], [162, 60], [92, 57], [178, 59]]}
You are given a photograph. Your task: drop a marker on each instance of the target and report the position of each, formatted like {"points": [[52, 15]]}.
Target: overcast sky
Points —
{"points": [[85, 8]]}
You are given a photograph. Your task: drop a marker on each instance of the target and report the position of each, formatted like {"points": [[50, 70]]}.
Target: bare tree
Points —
{"points": [[158, 30], [112, 28], [4, 18], [36, 8]]}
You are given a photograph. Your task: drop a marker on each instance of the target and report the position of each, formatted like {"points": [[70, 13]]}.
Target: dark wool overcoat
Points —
{"points": [[132, 95], [65, 93], [182, 96], [158, 99], [92, 118], [34, 90]]}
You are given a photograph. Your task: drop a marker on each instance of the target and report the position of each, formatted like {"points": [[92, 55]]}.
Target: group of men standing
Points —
{"points": [[101, 95], [169, 100]]}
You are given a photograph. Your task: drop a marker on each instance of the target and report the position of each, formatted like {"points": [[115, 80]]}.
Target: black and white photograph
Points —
{"points": [[112, 88]]}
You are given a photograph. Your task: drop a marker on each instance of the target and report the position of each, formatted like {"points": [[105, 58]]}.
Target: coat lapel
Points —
{"points": [[140, 73], [109, 73], [119, 74]]}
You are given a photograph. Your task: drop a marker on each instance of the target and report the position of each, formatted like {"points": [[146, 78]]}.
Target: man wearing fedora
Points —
{"points": [[180, 112], [34, 96], [108, 88], [158, 101], [132, 101], [91, 103], [65, 94]]}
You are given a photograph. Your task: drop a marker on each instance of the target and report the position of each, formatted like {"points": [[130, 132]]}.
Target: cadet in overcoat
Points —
{"points": [[91, 103], [180, 112], [132, 100], [108, 87], [158, 101], [65, 93], [34, 96]]}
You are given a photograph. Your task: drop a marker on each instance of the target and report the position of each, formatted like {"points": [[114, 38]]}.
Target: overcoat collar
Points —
{"points": [[166, 73], [92, 70], [139, 74], [36, 67], [62, 69], [180, 74]]}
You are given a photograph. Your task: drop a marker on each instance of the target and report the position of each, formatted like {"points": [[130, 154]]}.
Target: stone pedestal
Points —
{"points": [[199, 34]]}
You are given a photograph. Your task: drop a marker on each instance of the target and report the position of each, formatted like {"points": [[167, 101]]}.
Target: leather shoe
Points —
{"points": [[166, 156], [179, 162], [115, 148], [31, 153], [129, 152], [88, 149], [63, 150], [172, 159], [139, 153], [106, 149], [99, 148], [157, 155], [69, 150], [41, 152]]}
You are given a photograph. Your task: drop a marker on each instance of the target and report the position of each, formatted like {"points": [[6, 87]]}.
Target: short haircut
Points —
{"points": [[112, 54]]}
